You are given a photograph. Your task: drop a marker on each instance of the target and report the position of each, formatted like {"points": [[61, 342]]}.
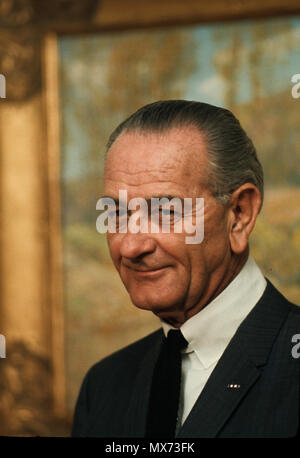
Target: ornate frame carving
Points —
{"points": [[28, 58]]}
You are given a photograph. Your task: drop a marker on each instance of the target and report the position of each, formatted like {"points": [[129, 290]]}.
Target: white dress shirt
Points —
{"points": [[209, 331]]}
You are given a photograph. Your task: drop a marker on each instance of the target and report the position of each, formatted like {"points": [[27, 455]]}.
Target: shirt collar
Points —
{"points": [[209, 331]]}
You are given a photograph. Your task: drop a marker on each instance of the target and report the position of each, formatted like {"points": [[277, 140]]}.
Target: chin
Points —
{"points": [[156, 304]]}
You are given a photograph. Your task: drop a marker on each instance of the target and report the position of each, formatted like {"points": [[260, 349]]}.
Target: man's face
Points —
{"points": [[161, 272]]}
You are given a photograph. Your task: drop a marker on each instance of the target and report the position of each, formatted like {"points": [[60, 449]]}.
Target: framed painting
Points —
{"points": [[93, 81]]}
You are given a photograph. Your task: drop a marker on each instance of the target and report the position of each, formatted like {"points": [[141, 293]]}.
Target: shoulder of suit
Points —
{"points": [[129, 356], [274, 294]]}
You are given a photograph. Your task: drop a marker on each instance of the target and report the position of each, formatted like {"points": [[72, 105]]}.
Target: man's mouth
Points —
{"points": [[148, 271]]}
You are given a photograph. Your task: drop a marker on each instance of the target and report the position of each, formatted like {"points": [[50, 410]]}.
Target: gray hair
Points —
{"points": [[231, 154]]}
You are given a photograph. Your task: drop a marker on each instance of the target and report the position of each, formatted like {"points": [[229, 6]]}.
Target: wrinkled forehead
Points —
{"points": [[176, 154]]}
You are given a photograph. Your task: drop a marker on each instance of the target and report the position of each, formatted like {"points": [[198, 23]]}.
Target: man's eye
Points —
{"points": [[163, 211], [119, 212], [173, 213]]}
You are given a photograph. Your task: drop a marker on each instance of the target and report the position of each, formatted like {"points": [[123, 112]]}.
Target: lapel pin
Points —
{"points": [[234, 385]]}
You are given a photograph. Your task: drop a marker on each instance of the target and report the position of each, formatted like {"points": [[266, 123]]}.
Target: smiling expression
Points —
{"points": [[160, 271]]}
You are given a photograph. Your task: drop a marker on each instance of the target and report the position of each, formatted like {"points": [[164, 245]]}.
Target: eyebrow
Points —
{"points": [[148, 200], [169, 197]]}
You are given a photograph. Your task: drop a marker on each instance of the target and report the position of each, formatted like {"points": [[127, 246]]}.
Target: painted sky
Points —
{"points": [[86, 63]]}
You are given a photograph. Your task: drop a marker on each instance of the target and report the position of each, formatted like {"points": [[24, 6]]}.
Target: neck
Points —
{"points": [[237, 263], [235, 266]]}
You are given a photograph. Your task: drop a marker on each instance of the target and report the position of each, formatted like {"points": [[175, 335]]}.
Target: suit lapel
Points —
{"points": [[218, 399], [239, 365]]}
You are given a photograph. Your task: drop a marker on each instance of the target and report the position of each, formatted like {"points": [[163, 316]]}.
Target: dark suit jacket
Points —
{"points": [[114, 394]]}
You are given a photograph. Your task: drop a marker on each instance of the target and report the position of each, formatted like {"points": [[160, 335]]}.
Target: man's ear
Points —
{"points": [[244, 206]]}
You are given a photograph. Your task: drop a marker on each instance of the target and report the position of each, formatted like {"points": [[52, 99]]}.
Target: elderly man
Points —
{"points": [[221, 365]]}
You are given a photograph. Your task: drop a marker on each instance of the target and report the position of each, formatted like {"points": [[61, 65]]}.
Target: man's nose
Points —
{"points": [[136, 245]]}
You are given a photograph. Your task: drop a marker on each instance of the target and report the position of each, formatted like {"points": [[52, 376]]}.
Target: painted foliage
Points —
{"points": [[246, 67]]}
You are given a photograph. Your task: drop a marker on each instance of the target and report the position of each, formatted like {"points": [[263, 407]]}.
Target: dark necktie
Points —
{"points": [[165, 389]]}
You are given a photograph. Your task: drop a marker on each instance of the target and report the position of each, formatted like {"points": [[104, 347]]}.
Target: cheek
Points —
{"points": [[215, 244], [173, 247]]}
